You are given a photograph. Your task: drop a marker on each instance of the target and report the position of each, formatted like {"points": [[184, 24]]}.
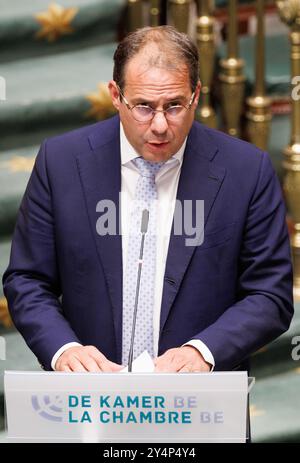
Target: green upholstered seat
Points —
{"points": [[15, 168], [5, 244], [95, 21], [52, 89], [275, 358], [18, 355], [274, 408]]}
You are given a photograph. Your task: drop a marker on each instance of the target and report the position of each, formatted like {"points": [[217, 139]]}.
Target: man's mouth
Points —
{"points": [[157, 144]]}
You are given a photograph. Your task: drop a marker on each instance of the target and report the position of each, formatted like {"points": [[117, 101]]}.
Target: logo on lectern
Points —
{"points": [[48, 407]]}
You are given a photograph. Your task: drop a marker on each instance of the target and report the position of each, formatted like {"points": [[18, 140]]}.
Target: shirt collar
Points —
{"points": [[128, 153]]}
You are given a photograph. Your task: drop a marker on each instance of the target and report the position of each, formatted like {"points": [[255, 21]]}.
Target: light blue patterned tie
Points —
{"points": [[145, 198]]}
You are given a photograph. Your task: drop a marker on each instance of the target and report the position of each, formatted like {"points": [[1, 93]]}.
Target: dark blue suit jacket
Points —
{"points": [[64, 281]]}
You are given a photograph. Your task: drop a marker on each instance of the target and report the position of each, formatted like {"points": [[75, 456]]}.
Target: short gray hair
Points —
{"points": [[174, 45]]}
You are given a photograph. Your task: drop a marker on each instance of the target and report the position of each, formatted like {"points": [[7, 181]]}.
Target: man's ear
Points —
{"points": [[197, 93], [114, 93]]}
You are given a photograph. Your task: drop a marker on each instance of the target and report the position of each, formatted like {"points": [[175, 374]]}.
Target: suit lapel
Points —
{"points": [[100, 174], [199, 180]]}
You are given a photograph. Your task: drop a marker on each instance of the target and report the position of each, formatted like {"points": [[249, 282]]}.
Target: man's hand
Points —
{"points": [[186, 359], [85, 358]]}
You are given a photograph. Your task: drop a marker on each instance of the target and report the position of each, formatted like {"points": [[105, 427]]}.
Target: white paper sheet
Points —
{"points": [[142, 364]]}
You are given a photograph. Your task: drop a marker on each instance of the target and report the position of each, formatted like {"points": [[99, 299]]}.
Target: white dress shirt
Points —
{"points": [[166, 181]]}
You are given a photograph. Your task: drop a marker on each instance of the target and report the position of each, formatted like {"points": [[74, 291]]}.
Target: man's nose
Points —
{"points": [[159, 123]]}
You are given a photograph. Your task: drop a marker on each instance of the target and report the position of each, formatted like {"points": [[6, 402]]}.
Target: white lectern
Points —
{"points": [[126, 407]]}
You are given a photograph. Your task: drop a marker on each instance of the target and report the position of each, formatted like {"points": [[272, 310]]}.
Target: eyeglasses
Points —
{"points": [[144, 113]]}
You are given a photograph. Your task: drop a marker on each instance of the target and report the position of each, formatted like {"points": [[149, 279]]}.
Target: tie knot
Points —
{"points": [[147, 168]]}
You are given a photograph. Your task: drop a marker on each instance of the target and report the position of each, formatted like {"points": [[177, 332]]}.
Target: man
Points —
{"points": [[71, 288]]}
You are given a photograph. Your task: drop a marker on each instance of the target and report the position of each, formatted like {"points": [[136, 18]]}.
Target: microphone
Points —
{"points": [[144, 228]]}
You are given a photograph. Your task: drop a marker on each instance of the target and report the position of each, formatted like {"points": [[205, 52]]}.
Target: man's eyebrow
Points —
{"points": [[137, 100]]}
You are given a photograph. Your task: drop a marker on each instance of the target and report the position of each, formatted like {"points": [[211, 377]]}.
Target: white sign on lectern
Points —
{"points": [[126, 407]]}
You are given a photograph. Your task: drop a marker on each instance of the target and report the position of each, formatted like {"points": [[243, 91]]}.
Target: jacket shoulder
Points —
{"points": [[82, 139]]}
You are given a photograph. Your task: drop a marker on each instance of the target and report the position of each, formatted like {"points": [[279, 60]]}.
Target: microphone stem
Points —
{"points": [[140, 264]]}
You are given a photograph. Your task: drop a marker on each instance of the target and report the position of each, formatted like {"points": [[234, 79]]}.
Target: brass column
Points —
{"points": [[154, 12], [206, 48], [135, 14], [289, 11], [180, 14], [232, 77], [259, 105]]}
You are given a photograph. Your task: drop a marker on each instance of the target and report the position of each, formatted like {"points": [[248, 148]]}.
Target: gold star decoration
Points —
{"points": [[101, 103], [19, 164], [4, 314], [55, 22], [254, 411]]}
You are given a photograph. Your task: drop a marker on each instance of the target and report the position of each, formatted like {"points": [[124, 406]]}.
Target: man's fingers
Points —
{"points": [[66, 369], [76, 366], [170, 362], [85, 359], [105, 365], [115, 366], [184, 359], [163, 366], [90, 364], [185, 369], [77, 360], [110, 367]]}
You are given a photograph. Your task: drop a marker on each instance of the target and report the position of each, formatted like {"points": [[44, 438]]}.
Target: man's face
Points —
{"points": [[157, 87]]}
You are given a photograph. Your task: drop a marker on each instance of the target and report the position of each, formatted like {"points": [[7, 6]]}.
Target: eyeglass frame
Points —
{"points": [[154, 111]]}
